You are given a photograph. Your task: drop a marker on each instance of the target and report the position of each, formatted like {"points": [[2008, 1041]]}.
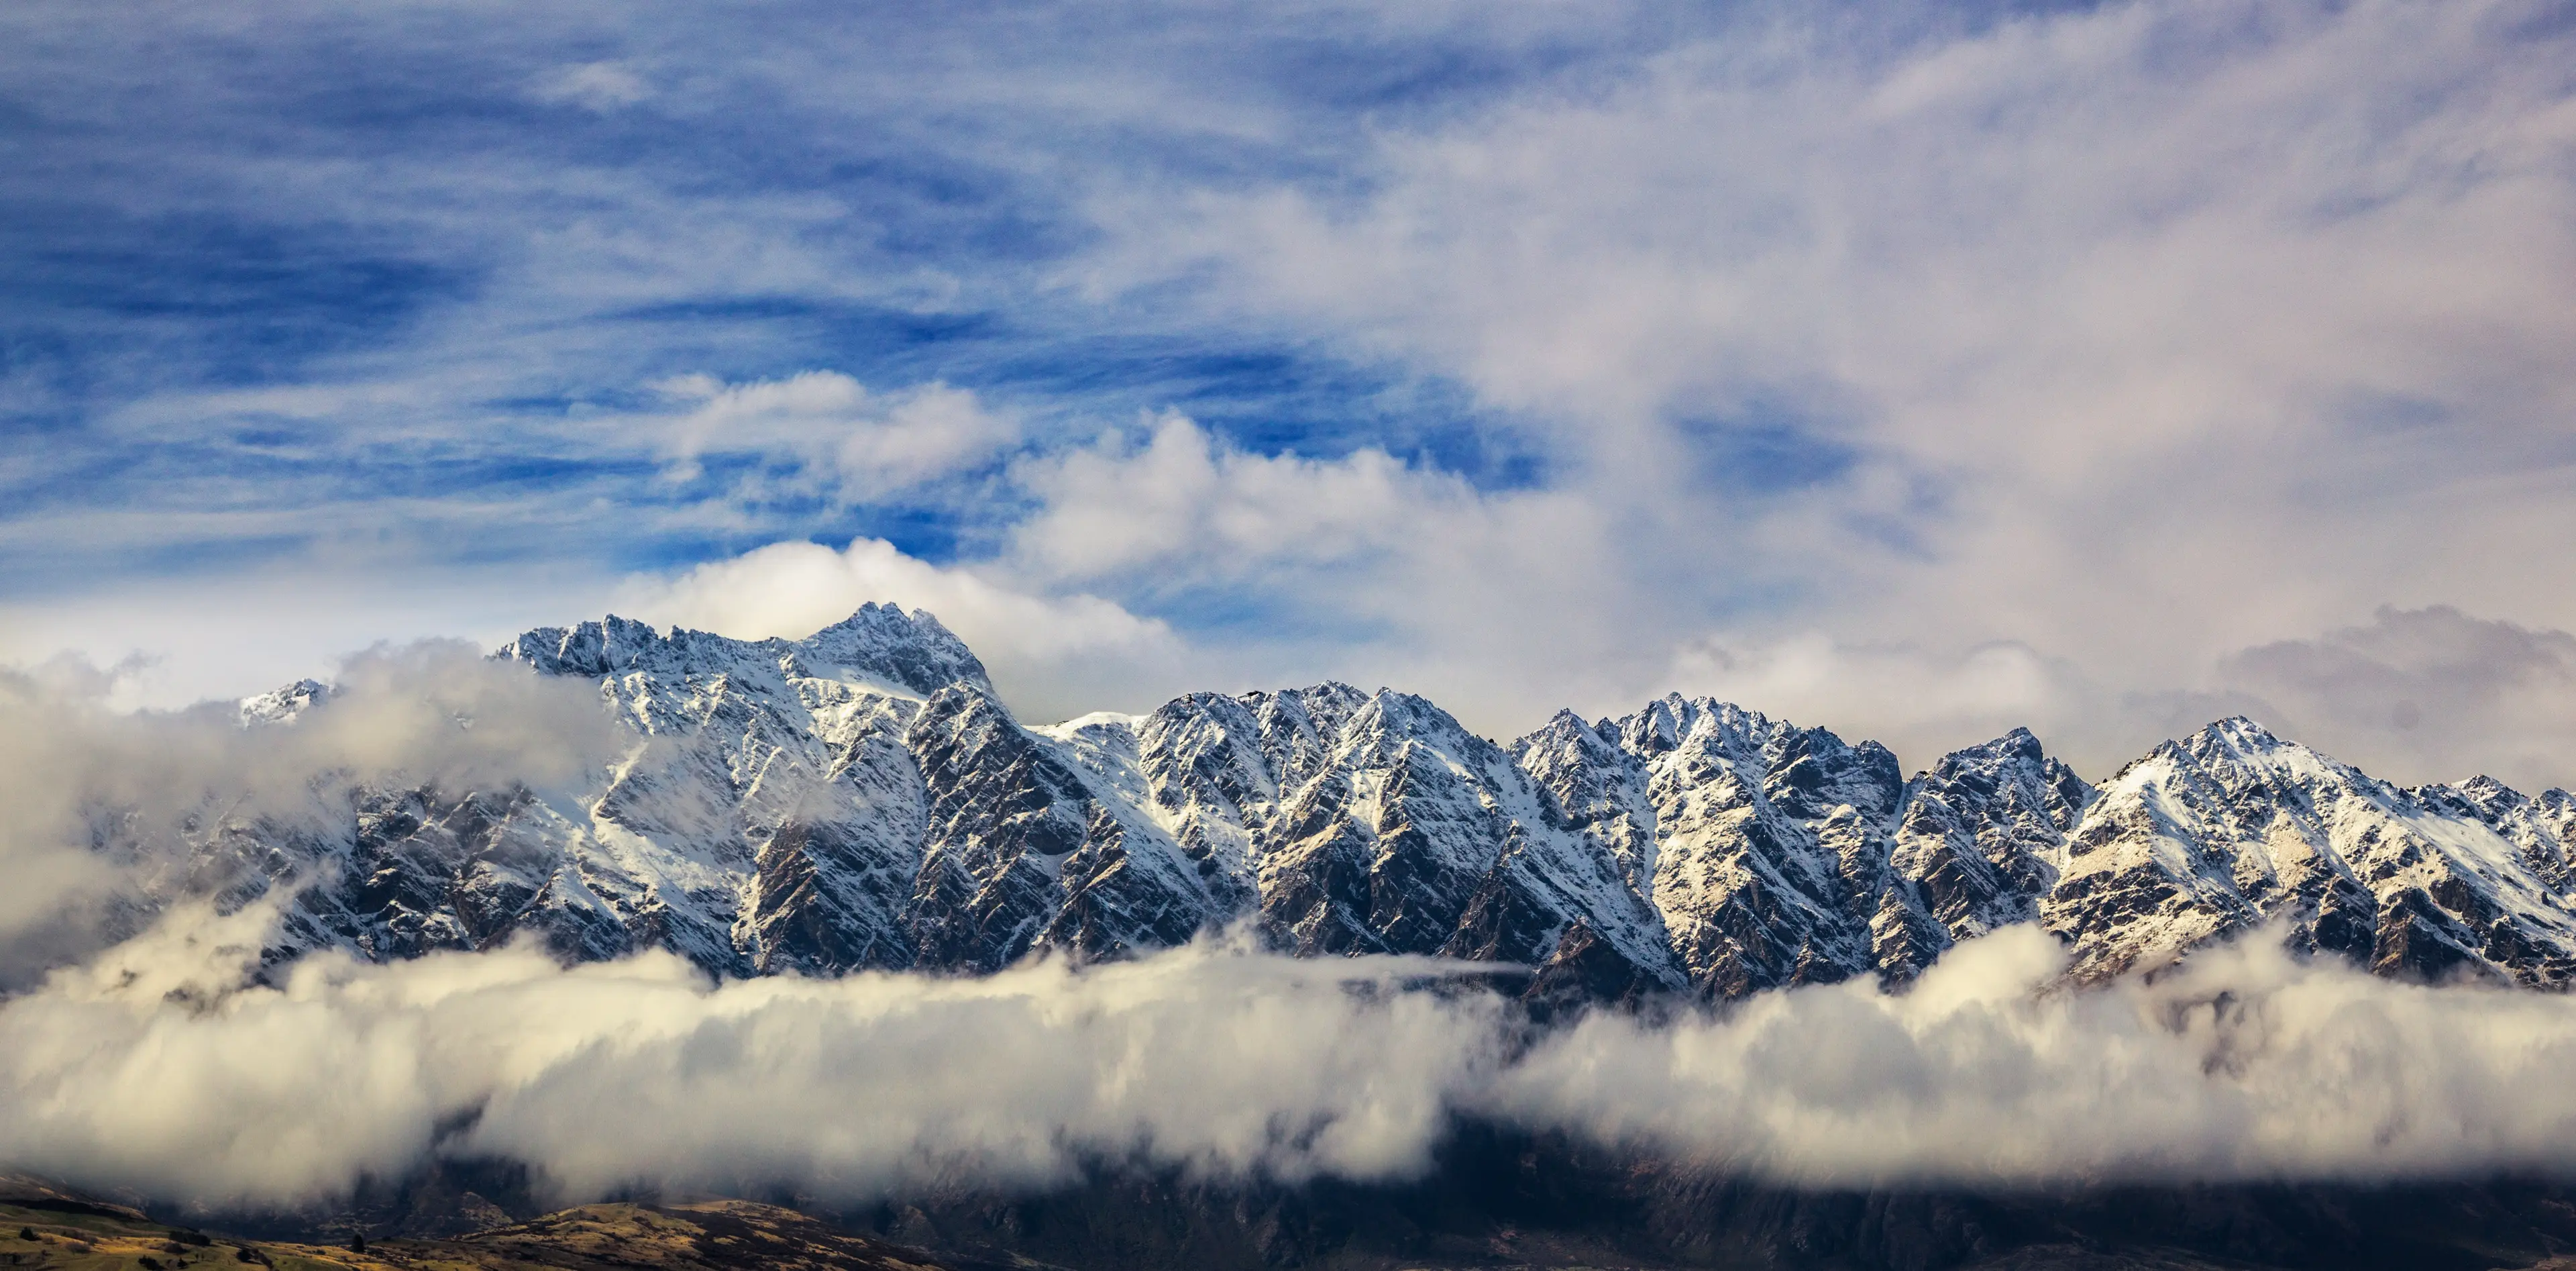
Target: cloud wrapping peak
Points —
{"points": [[2413, 696], [1053, 656], [75, 774]]}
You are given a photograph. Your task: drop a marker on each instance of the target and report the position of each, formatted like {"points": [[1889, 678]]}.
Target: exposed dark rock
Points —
{"points": [[861, 798]]}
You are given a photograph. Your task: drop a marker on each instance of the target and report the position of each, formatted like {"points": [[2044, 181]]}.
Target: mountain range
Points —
{"points": [[863, 798]]}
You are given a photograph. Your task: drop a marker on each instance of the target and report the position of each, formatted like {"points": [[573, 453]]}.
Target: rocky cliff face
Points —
{"points": [[2232, 827], [863, 799], [1982, 837]]}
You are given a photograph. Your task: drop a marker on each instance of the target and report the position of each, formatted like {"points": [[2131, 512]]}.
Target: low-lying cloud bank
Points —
{"points": [[167, 1064], [2245, 1064], [156, 1069]]}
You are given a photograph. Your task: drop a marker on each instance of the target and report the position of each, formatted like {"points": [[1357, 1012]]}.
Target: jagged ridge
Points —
{"points": [[863, 798]]}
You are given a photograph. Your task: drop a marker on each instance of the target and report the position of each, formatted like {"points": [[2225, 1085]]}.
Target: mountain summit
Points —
{"points": [[862, 798]]}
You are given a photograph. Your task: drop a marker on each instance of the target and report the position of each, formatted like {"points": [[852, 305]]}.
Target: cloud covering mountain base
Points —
{"points": [[162, 1069]]}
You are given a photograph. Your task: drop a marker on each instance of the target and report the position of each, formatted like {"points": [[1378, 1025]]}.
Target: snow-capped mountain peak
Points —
{"points": [[282, 705], [2233, 826], [863, 798]]}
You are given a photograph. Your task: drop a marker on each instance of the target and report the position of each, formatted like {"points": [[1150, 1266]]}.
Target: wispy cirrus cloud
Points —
{"points": [[1524, 352], [2130, 335]]}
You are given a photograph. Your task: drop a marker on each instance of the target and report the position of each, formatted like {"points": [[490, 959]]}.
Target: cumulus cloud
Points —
{"points": [[1507, 605], [1179, 499], [1052, 656], [151, 1070], [853, 444], [2135, 334], [1362, 567]]}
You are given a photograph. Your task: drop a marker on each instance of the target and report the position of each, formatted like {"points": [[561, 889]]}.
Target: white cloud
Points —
{"points": [[100, 802], [2243, 1065], [175, 642], [2137, 335], [597, 86], [2412, 696], [859, 445], [1924, 702], [639, 1072], [1362, 567], [1052, 656], [155, 1070], [1180, 500], [2427, 695]]}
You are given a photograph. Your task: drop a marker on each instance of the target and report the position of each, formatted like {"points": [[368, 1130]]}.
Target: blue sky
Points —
{"points": [[489, 228], [1917, 370]]}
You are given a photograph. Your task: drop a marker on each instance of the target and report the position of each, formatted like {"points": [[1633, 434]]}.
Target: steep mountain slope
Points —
{"points": [[2233, 826], [1030, 848], [1343, 822], [1763, 846], [1983, 836], [863, 798], [1781, 855]]}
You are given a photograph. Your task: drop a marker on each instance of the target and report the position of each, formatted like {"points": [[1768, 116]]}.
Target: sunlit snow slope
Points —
{"points": [[861, 798]]}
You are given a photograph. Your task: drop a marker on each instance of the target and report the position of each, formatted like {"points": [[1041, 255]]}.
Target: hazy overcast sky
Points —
{"points": [[1915, 370]]}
